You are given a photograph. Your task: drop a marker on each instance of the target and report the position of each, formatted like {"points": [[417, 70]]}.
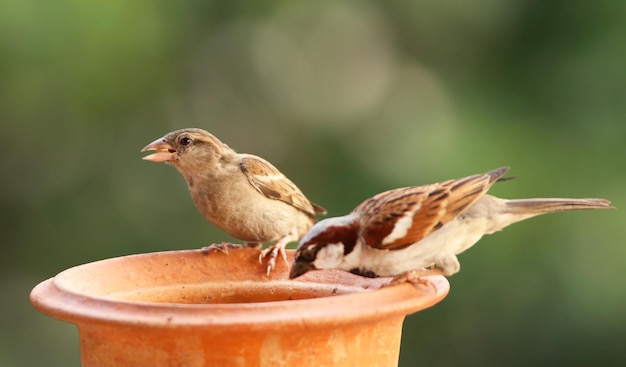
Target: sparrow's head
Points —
{"points": [[326, 245], [186, 149]]}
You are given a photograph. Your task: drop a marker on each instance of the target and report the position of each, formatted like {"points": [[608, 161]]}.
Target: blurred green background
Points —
{"points": [[347, 98]]}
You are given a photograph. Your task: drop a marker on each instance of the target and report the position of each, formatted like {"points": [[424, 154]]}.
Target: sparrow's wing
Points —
{"points": [[269, 181], [401, 217]]}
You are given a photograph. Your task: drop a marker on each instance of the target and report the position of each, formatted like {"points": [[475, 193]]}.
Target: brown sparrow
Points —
{"points": [[242, 194], [401, 232]]}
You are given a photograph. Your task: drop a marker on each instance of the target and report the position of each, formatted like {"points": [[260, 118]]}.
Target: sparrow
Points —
{"points": [[242, 194], [406, 232]]}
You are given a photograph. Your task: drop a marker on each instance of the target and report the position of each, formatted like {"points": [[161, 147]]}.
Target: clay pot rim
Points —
{"points": [[53, 298]]}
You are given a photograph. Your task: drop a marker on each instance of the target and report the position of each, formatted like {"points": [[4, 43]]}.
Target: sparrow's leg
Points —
{"points": [[446, 266], [273, 251], [415, 277], [220, 247]]}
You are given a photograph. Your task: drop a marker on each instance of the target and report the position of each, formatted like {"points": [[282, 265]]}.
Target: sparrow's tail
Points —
{"points": [[516, 210], [533, 207]]}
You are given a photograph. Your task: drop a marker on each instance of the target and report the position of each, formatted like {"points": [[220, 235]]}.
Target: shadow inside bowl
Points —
{"points": [[235, 292], [194, 277]]}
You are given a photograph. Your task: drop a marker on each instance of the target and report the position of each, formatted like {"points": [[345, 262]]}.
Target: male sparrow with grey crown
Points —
{"points": [[406, 232], [242, 194]]}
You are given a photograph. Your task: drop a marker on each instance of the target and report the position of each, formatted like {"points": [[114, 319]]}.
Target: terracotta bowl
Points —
{"points": [[190, 308]]}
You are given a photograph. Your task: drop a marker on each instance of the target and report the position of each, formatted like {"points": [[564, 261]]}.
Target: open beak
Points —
{"points": [[164, 151]]}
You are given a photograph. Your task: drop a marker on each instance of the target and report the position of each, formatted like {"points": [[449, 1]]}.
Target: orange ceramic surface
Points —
{"points": [[190, 308]]}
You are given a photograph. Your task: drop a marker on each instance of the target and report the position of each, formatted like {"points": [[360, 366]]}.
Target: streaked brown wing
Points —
{"points": [[401, 217], [269, 181]]}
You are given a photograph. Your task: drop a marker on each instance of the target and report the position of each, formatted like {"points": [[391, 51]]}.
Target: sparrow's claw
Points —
{"points": [[272, 253], [220, 247], [415, 277]]}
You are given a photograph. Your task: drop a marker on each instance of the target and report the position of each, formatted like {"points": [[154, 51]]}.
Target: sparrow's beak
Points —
{"points": [[300, 267], [164, 151]]}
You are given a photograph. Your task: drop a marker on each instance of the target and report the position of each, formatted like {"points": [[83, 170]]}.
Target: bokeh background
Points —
{"points": [[348, 98]]}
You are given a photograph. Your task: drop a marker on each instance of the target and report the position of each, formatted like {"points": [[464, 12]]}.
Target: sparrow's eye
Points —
{"points": [[309, 253], [184, 141]]}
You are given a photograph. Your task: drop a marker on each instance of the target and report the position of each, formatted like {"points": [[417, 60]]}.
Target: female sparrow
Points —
{"points": [[401, 232], [242, 194]]}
